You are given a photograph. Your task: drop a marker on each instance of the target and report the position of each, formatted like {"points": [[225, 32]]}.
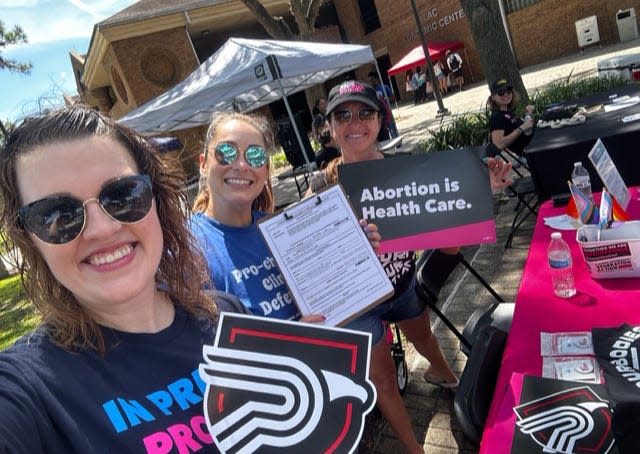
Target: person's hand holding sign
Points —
{"points": [[371, 230], [499, 173]]}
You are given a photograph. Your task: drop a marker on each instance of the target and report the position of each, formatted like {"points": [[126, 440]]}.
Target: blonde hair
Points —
{"points": [[264, 201]]}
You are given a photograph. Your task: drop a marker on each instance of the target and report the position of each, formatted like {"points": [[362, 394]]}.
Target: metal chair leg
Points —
{"points": [[518, 220], [444, 319], [484, 283]]}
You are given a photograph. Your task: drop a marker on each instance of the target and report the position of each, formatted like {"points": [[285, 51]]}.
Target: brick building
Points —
{"points": [[146, 49]]}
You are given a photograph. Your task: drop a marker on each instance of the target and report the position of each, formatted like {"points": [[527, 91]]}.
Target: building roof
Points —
{"points": [[147, 9]]}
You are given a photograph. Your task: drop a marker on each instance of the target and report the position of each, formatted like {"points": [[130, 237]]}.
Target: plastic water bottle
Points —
{"points": [[580, 178], [561, 266], [528, 116]]}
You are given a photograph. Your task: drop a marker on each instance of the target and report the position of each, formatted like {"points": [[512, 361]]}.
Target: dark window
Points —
{"points": [[369, 13], [515, 5]]}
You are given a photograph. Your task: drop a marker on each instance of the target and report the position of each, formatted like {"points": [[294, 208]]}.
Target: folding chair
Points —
{"points": [[432, 271], [522, 188], [478, 382]]}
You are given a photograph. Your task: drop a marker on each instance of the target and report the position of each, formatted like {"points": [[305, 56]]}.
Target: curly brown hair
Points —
{"points": [[181, 273], [264, 201]]}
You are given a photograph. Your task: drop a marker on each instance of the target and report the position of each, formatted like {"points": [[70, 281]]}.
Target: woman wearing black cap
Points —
{"points": [[507, 129], [355, 117]]}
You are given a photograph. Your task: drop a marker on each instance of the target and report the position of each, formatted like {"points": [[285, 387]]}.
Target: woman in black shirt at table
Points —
{"points": [[507, 129]]}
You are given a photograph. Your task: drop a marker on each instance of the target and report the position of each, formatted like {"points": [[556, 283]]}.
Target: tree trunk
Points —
{"points": [[304, 13], [276, 27], [492, 44]]}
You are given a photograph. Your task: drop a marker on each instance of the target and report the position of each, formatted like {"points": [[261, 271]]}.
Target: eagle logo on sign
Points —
{"points": [[286, 387], [572, 421]]}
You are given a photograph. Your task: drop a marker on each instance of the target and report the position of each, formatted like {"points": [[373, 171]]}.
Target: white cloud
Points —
{"points": [[84, 7], [12, 4], [55, 20]]}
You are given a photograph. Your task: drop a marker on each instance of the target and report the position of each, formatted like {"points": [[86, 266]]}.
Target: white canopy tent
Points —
{"points": [[245, 74]]}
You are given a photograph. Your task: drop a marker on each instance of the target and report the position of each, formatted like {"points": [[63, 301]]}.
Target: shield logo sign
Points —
{"points": [[286, 387], [562, 417]]}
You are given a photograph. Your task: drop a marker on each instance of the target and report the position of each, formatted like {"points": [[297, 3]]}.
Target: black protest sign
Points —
{"points": [[562, 417], [426, 200], [274, 386]]}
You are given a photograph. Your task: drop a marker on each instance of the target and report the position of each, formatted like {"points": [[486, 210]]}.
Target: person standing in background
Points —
{"points": [[415, 81], [407, 82], [438, 71], [318, 113], [454, 62], [384, 91]]}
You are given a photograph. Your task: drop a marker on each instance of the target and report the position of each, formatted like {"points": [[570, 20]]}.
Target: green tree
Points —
{"points": [[9, 37], [4, 130], [493, 48]]}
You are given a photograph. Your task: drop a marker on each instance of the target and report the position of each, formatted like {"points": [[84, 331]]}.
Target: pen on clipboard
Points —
{"points": [[288, 215]]}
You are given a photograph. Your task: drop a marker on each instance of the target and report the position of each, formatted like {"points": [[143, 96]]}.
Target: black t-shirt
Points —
{"points": [[326, 155], [143, 393], [618, 353], [508, 121]]}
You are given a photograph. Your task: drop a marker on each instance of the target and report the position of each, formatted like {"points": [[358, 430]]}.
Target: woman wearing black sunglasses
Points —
{"points": [[507, 129], [107, 259]]}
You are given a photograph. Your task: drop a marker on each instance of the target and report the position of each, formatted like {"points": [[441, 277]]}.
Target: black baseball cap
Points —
{"points": [[500, 84], [353, 91]]}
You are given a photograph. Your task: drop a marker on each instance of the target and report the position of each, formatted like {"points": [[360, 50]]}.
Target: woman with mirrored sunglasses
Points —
{"points": [[507, 128], [94, 219], [357, 139], [235, 192]]}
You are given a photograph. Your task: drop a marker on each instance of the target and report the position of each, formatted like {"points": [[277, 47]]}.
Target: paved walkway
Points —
{"points": [[431, 409]]}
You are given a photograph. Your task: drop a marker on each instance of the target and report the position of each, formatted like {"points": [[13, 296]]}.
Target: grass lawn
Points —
{"points": [[16, 314]]}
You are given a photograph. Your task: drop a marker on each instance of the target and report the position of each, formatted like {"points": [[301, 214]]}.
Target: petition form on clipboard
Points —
{"points": [[326, 258]]}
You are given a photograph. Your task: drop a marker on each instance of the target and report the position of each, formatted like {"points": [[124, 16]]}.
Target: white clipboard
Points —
{"points": [[325, 257]]}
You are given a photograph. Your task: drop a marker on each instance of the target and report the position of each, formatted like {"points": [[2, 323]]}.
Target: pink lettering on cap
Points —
{"points": [[351, 87]]}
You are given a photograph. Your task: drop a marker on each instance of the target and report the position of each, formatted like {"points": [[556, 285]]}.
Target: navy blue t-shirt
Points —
{"points": [[144, 394]]}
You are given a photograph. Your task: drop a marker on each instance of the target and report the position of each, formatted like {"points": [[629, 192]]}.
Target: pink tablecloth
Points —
{"points": [[598, 303]]}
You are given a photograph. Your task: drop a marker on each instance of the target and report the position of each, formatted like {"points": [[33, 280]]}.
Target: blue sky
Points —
{"points": [[53, 27]]}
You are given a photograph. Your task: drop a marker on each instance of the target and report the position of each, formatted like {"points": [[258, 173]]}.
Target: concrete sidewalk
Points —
{"points": [[431, 408], [415, 121]]}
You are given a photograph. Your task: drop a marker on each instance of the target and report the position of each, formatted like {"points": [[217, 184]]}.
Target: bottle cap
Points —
{"points": [[577, 163], [556, 235]]}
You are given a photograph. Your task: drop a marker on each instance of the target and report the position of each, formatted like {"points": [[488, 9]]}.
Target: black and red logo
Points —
{"points": [[275, 386], [572, 421]]}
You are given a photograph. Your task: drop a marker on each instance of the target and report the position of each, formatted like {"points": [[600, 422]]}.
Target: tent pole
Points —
{"points": [[395, 96], [303, 150]]}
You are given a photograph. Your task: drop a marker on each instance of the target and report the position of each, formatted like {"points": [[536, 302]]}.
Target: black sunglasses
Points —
{"points": [[345, 116], [226, 153], [60, 219], [504, 92]]}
